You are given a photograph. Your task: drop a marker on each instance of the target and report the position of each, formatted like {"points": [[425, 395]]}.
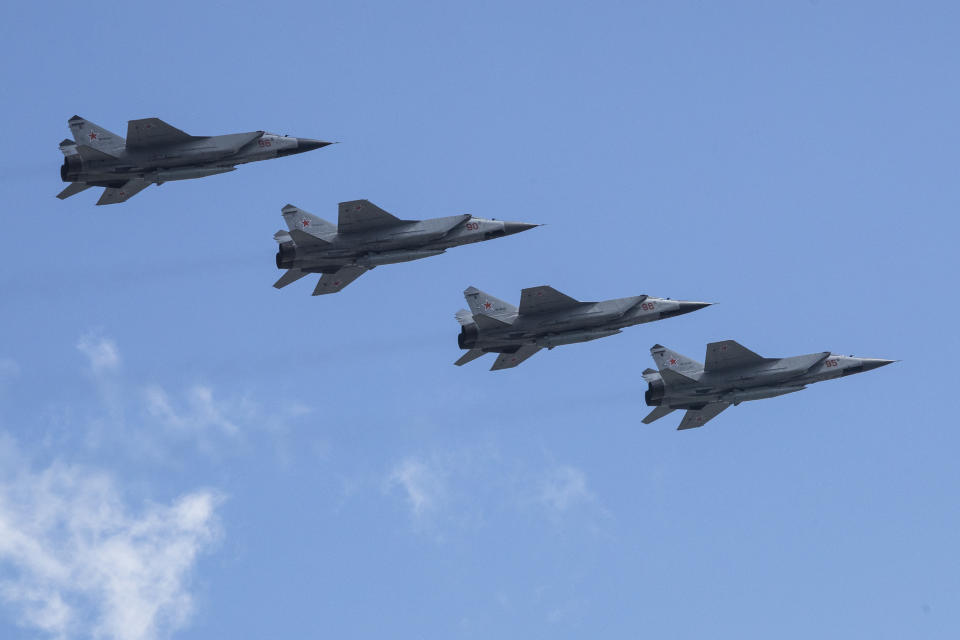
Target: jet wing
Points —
{"points": [[362, 215], [544, 300], [730, 354], [151, 132], [510, 360], [694, 418], [291, 276], [333, 282], [113, 195]]}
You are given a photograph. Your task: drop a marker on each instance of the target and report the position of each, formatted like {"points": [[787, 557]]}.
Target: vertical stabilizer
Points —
{"points": [[93, 135], [482, 303], [297, 218], [668, 359]]}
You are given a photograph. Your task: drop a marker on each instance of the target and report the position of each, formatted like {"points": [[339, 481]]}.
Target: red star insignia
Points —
{"points": [[305, 222], [93, 135], [487, 305], [673, 361]]}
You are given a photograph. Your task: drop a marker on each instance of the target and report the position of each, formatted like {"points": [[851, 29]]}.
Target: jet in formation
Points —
{"points": [[365, 237], [155, 152], [547, 319], [733, 374]]}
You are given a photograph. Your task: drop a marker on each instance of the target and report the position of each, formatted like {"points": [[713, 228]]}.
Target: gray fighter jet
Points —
{"points": [[733, 374], [155, 152], [365, 237], [547, 319]]}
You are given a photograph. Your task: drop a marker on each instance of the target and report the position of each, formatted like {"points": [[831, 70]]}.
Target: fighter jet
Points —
{"points": [[365, 237], [547, 319], [155, 152], [733, 374]]}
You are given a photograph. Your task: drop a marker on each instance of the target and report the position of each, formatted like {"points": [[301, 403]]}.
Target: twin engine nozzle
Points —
{"points": [[285, 255], [70, 169]]}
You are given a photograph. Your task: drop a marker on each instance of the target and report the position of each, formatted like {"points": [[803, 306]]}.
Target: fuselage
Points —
{"points": [[585, 322], [196, 158], [393, 244], [774, 377]]}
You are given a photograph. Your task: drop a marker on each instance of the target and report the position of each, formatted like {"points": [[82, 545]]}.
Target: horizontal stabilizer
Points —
{"points": [[488, 323], [334, 282], [114, 195], [358, 216], [510, 360], [697, 418], [304, 239], [73, 189], [656, 414], [730, 355], [154, 132], [544, 299], [469, 356], [291, 276]]}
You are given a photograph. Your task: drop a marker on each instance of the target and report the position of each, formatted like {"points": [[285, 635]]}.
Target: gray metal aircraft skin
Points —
{"points": [[547, 318], [733, 374], [155, 152], [366, 237]]}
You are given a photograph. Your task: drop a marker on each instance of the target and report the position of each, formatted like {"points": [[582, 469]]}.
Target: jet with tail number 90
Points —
{"points": [[547, 318], [733, 374], [366, 236], [155, 152]]}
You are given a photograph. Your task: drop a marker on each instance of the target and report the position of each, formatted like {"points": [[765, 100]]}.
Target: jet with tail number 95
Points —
{"points": [[366, 237], [547, 318], [155, 152], [733, 374]]}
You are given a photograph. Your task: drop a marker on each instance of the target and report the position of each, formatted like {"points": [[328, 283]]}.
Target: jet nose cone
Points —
{"points": [[307, 144], [516, 227], [875, 363], [687, 307]]}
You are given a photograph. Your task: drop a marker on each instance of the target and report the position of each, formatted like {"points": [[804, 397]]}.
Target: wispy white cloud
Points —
{"points": [[152, 420], [201, 414], [564, 487], [102, 353], [423, 483], [77, 562]]}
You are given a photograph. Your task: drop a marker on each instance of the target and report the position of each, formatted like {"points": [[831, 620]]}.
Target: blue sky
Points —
{"points": [[186, 452]]}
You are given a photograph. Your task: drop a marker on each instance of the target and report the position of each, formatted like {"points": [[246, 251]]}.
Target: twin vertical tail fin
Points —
{"points": [[297, 218], [483, 304], [670, 360], [92, 135]]}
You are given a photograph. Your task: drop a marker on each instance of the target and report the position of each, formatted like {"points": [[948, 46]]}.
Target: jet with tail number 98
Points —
{"points": [[365, 237], [155, 152], [733, 374], [547, 318]]}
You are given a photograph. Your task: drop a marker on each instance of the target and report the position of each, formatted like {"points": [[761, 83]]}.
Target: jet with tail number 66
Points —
{"points": [[733, 374], [155, 152], [547, 318], [366, 236]]}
